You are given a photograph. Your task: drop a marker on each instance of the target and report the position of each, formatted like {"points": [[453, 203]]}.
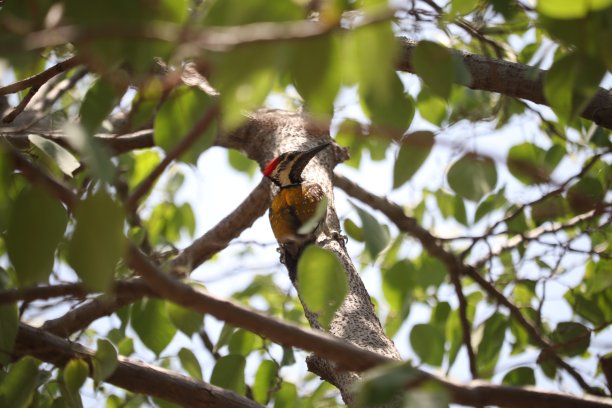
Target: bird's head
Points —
{"points": [[286, 169]]}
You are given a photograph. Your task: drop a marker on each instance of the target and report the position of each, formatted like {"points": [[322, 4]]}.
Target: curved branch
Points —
{"points": [[41, 78], [515, 80], [130, 374]]}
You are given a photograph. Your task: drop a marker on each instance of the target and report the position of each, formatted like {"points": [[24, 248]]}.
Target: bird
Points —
{"points": [[295, 204]]}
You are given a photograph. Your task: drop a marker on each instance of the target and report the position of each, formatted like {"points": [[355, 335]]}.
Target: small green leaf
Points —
{"points": [[430, 271], [241, 163], [490, 346], [598, 276], [570, 9], [74, 375], [105, 361], [186, 320], [427, 341], [286, 396], [265, 378], [177, 116], [434, 64], [431, 107], [391, 112], [585, 195], [32, 254], [322, 283], [99, 101], [151, 322], [18, 386], [472, 176], [228, 373], [551, 208], [224, 336], [98, 242], [571, 338], [144, 163], [492, 202], [353, 230], [430, 395], [463, 7], [243, 342], [519, 377], [190, 363], [62, 157], [527, 162], [383, 384], [92, 151], [414, 150], [9, 326], [376, 237]]}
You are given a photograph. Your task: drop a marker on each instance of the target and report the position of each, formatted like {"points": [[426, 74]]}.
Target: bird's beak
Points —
{"points": [[304, 158]]}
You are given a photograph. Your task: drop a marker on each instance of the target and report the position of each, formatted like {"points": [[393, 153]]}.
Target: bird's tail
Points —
{"points": [[291, 252]]}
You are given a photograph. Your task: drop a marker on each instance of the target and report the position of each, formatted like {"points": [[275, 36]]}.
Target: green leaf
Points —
{"points": [[144, 163], [551, 208], [414, 150], [228, 373], [177, 116], [451, 205], [397, 284], [18, 386], [472, 176], [492, 202], [430, 395], [571, 83], [190, 363], [186, 320], [322, 282], [317, 79], [151, 322], [571, 338], [9, 326], [241, 163], [105, 361], [566, 9], [430, 272], [376, 237], [62, 157], [491, 343], [314, 221], [427, 341], [224, 336], [93, 152], [585, 195], [527, 162], [382, 385], [598, 276], [32, 254], [431, 107], [243, 342], [463, 7], [265, 378], [98, 103], [98, 242], [286, 396], [519, 377], [353, 230], [74, 375], [434, 64]]}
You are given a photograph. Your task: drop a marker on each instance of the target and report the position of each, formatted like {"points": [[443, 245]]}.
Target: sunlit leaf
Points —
{"points": [[382, 385], [265, 378], [322, 282], [31, 253], [190, 363], [427, 341], [565, 9], [414, 150], [62, 157], [431, 107], [286, 396], [472, 176], [98, 242], [186, 320], [376, 237], [93, 153], [18, 386], [243, 342], [105, 361], [74, 375], [228, 373], [151, 322]]}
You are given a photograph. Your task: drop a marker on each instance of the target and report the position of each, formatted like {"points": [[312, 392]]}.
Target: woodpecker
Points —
{"points": [[295, 203]]}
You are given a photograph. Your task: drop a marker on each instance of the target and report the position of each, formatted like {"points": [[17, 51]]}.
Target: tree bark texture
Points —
{"points": [[270, 133]]}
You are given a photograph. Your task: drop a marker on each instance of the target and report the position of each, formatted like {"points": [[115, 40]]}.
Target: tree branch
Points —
{"points": [[409, 225], [132, 375], [41, 78], [515, 80]]}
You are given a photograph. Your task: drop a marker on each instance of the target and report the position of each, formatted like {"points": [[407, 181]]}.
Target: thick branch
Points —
{"points": [[515, 80], [131, 375]]}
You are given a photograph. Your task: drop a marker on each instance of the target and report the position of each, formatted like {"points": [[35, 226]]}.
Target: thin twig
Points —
{"points": [[196, 131], [41, 78], [409, 225], [22, 105]]}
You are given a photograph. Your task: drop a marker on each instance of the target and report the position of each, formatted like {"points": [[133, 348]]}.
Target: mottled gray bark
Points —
{"points": [[269, 133]]}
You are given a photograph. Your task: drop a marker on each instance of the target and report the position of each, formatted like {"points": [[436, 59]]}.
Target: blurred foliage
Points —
{"points": [[499, 202]]}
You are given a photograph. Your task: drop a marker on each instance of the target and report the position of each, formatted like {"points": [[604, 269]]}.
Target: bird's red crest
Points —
{"points": [[271, 166]]}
